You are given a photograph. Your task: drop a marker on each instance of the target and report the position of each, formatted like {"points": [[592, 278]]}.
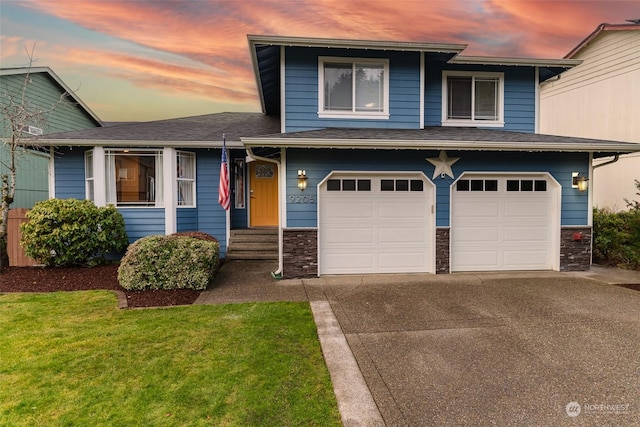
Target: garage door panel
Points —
{"points": [[401, 210], [349, 209], [409, 262], [526, 260], [503, 230], [526, 209], [341, 236], [372, 230], [475, 260], [477, 234], [474, 209], [522, 235], [346, 261], [402, 235]]}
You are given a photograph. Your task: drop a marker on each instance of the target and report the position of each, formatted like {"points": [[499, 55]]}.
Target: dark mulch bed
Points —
{"points": [[42, 279]]}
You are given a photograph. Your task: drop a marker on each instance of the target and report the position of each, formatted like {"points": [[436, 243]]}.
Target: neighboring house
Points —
{"points": [[600, 98], [370, 157], [43, 91]]}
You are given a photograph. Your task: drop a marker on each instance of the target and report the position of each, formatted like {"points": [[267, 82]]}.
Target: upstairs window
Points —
{"points": [[472, 99], [357, 88]]}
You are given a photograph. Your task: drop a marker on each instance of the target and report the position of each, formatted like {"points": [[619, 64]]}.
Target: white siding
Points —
{"points": [[599, 99]]}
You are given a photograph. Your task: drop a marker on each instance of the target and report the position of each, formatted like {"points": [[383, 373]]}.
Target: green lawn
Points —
{"points": [[73, 358]]}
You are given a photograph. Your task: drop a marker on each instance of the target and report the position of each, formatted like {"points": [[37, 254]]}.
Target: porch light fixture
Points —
{"points": [[302, 179], [580, 182]]}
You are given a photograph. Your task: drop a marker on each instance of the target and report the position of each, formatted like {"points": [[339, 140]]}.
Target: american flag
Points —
{"points": [[223, 189]]}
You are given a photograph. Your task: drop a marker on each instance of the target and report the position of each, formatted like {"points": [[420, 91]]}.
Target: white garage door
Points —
{"points": [[373, 223], [504, 223]]}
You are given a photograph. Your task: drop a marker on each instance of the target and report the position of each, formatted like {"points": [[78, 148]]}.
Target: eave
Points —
{"points": [[526, 62], [133, 143], [355, 44]]}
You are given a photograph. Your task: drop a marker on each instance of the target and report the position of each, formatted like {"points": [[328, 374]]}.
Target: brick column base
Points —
{"points": [[442, 250], [300, 252], [575, 248]]}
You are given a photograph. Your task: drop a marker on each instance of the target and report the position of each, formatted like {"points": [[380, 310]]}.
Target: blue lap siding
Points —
{"points": [[318, 163]]}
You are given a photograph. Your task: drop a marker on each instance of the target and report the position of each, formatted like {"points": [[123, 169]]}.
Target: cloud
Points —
{"points": [[199, 48]]}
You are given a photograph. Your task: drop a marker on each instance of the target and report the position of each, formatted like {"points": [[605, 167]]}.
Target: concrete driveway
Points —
{"points": [[485, 349]]}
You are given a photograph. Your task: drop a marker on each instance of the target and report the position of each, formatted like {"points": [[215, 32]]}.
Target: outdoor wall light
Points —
{"points": [[302, 179], [580, 182]]}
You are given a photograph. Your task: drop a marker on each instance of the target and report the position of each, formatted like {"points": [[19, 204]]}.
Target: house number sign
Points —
{"points": [[301, 198]]}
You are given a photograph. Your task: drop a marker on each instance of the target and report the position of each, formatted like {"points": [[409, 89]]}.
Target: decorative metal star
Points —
{"points": [[443, 164]]}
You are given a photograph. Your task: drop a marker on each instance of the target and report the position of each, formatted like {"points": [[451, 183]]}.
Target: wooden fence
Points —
{"points": [[17, 257]]}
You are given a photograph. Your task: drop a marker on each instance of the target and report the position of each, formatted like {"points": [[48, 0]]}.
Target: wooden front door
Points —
{"points": [[263, 190]]}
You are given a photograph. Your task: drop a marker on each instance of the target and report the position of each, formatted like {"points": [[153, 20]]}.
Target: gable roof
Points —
{"points": [[599, 29], [440, 138], [266, 57], [195, 131], [58, 82]]}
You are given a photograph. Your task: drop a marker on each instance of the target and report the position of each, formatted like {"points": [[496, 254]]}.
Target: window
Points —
{"points": [[401, 185], [477, 185], [472, 99], [88, 175], [349, 185], [186, 176], [526, 185], [353, 88], [134, 178]]}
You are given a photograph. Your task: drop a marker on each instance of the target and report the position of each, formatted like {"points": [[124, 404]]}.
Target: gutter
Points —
{"points": [[278, 273], [615, 159]]}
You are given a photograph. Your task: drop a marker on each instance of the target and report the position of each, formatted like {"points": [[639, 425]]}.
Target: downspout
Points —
{"points": [[278, 273], [615, 159]]}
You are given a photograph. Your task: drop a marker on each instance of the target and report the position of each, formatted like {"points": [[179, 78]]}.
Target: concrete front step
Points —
{"points": [[253, 244], [250, 256]]}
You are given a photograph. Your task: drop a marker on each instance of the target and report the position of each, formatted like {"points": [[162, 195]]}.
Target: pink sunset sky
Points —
{"points": [[145, 60]]}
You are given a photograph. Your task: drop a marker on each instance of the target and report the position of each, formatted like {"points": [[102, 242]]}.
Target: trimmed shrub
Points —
{"points": [[71, 232], [169, 262], [616, 238], [196, 235]]}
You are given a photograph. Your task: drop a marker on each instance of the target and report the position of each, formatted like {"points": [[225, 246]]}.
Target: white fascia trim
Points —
{"points": [[353, 44], [51, 176], [170, 188], [422, 88], [440, 145], [283, 75], [99, 177], [136, 143], [537, 100], [527, 62]]}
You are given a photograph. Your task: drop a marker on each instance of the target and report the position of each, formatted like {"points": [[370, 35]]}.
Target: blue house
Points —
{"points": [[369, 157]]}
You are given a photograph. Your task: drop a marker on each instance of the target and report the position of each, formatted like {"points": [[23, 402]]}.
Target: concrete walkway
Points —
{"points": [[539, 348]]}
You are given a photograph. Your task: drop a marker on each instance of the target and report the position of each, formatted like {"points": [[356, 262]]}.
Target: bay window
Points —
{"points": [[133, 177]]}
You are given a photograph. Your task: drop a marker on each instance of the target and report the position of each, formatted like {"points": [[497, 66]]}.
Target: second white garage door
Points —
{"points": [[505, 223], [376, 223]]}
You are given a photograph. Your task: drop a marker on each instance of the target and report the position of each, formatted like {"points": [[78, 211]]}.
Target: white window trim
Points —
{"points": [[472, 122], [162, 152], [191, 180], [384, 115]]}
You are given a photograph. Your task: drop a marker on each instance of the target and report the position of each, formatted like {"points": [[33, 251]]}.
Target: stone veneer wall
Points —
{"points": [[575, 253], [300, 252], [442, 250]]}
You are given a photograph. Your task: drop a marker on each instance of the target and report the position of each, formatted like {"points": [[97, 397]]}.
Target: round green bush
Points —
{"points": [[71, 232], [169, 262]]}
